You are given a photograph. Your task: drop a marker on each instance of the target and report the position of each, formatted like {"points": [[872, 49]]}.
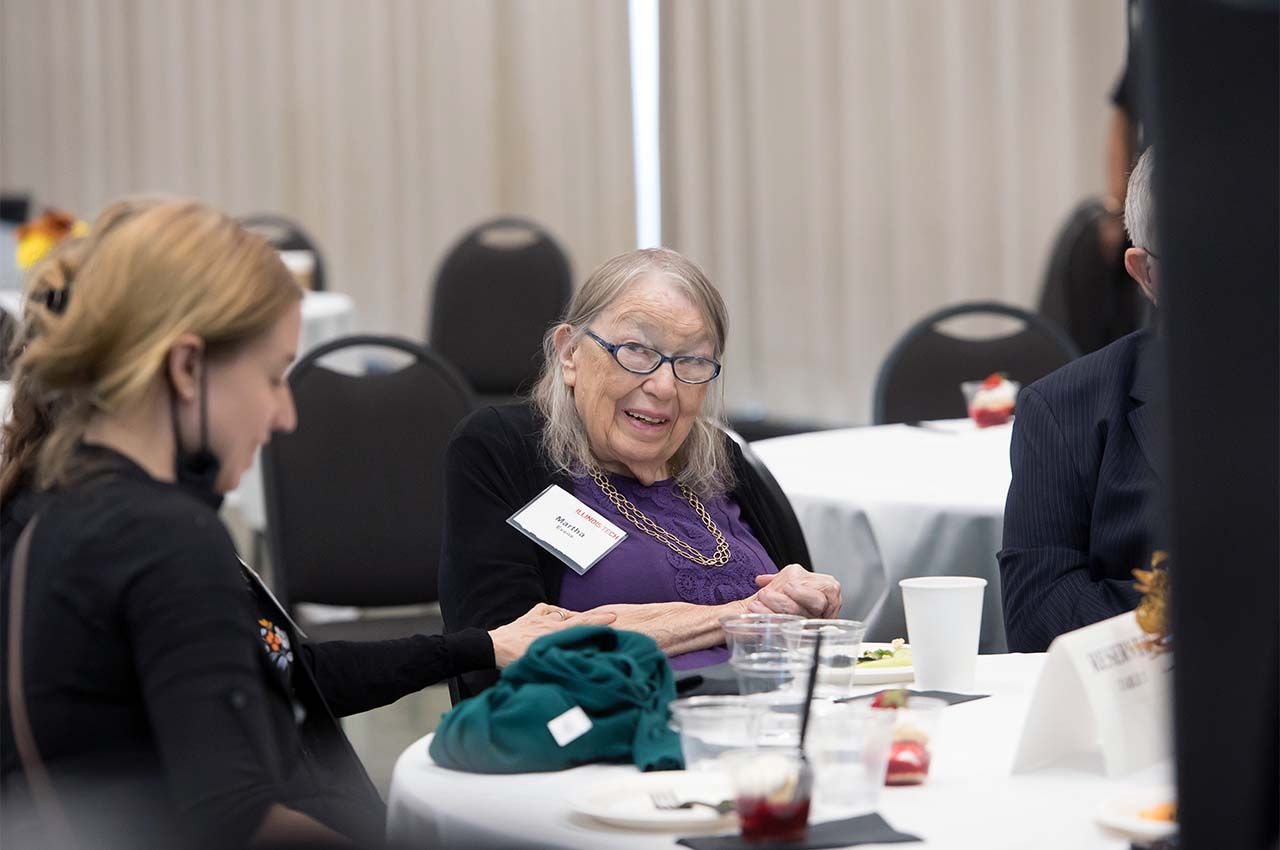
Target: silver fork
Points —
{"points": [[668, 801]]}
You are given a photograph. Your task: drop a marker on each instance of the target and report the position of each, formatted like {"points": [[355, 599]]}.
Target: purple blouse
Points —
{"points": [[643, 569]]}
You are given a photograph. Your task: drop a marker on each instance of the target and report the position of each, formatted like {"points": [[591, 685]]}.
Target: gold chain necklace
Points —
{"points": [[638, 518]]}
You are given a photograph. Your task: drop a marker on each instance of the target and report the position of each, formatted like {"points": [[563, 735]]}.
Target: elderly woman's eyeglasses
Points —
{"points": [[643, 360]]}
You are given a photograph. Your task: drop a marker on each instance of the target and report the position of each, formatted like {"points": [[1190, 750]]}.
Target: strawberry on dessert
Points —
{"points": [[890, 699], [909, 754], [908, 763], [993, 400]]}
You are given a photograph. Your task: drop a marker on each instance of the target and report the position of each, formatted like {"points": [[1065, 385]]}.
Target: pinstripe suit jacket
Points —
{"points": [[1085, 505]]}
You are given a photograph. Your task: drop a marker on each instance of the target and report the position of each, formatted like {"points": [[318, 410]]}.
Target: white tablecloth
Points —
{"points": [[970, 800], [325, 316], [933, 497]]}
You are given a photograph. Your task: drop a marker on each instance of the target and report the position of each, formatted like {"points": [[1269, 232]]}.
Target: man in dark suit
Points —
{"points": [[1086, 502]]}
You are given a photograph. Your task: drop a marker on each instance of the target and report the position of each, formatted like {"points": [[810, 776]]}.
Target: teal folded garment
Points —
{"points": [[620, 680]]}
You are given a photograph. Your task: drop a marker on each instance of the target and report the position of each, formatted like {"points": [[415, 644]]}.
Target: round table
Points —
{"points": [[970, 800], [933, 498]]}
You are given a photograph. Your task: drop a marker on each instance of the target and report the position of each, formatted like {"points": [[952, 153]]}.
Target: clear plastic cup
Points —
{"points": [[848, 746], [772, 791], [838, 657], [763, 672], [710, 726], [914, 739], [749, 633]]}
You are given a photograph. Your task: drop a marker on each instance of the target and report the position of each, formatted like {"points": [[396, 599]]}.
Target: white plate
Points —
{"points": [[1121, 814], [626, 802], [881, 675]]}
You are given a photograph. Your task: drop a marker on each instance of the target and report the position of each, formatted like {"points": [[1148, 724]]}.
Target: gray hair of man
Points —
{"points": [[1139, 205], [702, 462]]}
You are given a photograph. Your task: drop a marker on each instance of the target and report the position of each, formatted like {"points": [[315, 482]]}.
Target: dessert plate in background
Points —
{"points": [[1122, 813], [864, 675]]}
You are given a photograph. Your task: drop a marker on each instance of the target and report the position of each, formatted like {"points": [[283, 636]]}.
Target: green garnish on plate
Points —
{"points": [[899, 655]]}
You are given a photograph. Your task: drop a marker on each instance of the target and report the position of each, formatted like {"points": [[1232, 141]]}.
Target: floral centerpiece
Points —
{"points": [[38, 236]]}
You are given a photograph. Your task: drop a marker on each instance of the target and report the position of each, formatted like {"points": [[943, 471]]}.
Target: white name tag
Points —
{"points": [[568, 528], [1101, 689], [570, 726]]}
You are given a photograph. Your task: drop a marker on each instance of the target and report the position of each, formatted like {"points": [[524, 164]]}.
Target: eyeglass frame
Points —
{"points": [[612, 348]]}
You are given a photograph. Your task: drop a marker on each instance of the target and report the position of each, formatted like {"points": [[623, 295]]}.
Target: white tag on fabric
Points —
{"points": [[1102, 690], [570, 726], [568, 528]]}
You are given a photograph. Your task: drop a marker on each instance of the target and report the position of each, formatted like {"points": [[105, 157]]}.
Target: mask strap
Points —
{"points": [[204, 406]]}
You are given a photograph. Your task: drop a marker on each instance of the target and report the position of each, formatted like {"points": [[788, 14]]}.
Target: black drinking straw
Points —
{"points": [[808, 699]]}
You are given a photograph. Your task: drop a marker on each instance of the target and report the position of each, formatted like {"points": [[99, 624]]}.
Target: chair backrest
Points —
{"points": [[1087, 292], [355, 494], [792, 534], [284, 234], [498, 290], [15, 208], [920, 378]]}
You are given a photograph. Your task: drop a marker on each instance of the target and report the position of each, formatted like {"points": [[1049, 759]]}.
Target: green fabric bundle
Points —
{"points": [[621, 680]]}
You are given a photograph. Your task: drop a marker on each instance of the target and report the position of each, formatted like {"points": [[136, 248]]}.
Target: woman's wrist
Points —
{"points": [[502, 653]]}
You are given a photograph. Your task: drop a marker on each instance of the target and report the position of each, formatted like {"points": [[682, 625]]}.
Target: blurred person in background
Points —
{"points": [[158, 695]]}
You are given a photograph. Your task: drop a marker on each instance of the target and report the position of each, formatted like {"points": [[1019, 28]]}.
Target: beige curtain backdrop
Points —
{"points": [[386, 127], [841, 167]]}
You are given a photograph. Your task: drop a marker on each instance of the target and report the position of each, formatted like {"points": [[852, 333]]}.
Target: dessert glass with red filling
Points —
{"points": [[915, 731], [772, 791], [990, 401]]}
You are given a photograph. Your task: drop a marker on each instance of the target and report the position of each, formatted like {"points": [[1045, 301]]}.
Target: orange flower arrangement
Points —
{"points": [[38, 236], [1152, 611]]}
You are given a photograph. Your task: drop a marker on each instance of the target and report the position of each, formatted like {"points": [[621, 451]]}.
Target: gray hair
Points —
{"points": [[1139, 204], [702, 462]]}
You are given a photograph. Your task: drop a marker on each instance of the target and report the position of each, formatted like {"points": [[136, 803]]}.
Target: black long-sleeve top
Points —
{"points": [[490, 573], [153, 662]]}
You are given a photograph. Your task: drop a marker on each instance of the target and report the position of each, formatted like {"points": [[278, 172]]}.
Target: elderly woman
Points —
{"points": [[625, 418]]}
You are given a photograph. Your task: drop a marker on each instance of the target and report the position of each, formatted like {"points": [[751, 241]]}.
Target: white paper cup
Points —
{"points": [[944, 616]]}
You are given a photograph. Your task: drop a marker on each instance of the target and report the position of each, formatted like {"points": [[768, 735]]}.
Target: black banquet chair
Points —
{"points": [[792, 535], [355, 494], [1086, 292], [284, 234], [921, 376], [498, 290]]}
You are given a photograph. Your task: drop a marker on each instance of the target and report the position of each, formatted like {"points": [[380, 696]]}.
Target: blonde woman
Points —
{"points": [[626, 419], [160, 686]]}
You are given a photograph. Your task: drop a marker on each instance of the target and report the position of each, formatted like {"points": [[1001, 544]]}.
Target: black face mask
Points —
{"points": [[196, 471]]}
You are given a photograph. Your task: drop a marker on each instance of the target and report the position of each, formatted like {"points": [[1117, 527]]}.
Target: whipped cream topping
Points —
{"points": [[1001, 396]]}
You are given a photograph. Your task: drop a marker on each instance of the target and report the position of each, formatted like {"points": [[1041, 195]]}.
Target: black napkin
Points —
{"points": [[946, 696], [720, 679], [716, 680], [865, 829]]}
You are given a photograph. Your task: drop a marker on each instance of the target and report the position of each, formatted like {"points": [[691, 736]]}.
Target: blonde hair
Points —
{"points": [[149, 271], [702, 462]]}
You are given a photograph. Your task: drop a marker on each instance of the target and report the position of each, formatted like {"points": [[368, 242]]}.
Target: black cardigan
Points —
{"points": [[142, 653], [490, 573]]}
